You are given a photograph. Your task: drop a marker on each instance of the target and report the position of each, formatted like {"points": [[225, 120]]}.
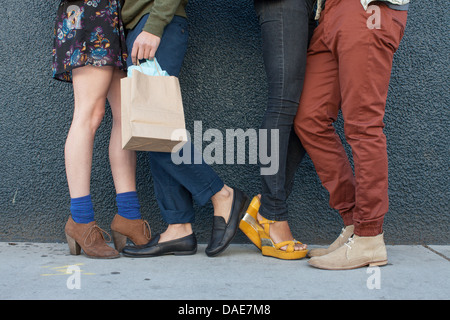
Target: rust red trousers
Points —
{"points": [[348, 68]]}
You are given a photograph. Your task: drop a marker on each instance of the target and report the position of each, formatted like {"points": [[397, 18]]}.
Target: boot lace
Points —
{"points": [[147, 230], [92, 233], [342, 233], [349, 242]]}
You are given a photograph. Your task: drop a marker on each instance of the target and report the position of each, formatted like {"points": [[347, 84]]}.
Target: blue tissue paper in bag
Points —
{"points": [[149, 67]]}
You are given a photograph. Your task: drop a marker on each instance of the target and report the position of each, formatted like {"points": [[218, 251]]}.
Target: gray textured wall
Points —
{"points": [[223, 85]]}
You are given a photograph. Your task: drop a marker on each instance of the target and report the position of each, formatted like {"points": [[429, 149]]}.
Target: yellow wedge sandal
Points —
{"points": [[258, 233], [249, 224], [271, 249]]}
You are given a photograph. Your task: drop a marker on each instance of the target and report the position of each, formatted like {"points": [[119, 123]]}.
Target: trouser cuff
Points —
{"points": [[369, 228], [204, 196], [178, 217]]}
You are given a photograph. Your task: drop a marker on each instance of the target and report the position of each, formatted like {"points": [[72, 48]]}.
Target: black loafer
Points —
{"points": [[222, 232], [182, 246]]}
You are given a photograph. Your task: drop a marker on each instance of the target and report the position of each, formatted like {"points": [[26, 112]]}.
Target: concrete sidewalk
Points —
{"points": [[39, 271]]}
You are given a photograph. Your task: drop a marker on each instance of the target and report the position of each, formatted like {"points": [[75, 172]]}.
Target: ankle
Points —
{"points": [[128, 205], [279, 229], [178, 230], [225, 193], [282, 228], [82, 209], [222, 202]]}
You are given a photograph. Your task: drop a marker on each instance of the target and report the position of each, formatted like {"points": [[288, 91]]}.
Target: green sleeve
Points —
{"points": [[161, 15]]}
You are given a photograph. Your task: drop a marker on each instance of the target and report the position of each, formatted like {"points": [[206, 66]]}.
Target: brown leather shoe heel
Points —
{"points": [[88, 237], [137, 231]]}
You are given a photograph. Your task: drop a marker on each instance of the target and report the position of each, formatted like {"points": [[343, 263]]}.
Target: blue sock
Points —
{"points": [[82, 209], [128, 205]]}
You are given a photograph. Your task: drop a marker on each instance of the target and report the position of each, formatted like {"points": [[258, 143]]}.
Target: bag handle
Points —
{"points": [[156, 66]]}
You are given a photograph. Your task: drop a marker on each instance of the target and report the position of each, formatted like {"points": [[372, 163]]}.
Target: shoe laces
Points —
{"points": [[92, 233], [147, 230], [349, 242]]}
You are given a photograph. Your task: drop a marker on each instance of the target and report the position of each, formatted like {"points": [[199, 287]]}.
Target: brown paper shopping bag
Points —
{"points": [[152, 113]]}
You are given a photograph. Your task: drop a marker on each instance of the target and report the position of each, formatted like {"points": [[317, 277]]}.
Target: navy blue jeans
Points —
{"points": [[286, 28], [176, 186]]}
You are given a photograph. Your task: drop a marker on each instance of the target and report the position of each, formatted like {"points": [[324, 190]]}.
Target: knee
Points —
{"points": [[368, 130], [96, 118], [117, 120], [298, 125], [304, 124], [89, 116]]}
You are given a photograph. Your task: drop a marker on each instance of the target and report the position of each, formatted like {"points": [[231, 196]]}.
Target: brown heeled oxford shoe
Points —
{"points": [[138, 231], [89, 237]]}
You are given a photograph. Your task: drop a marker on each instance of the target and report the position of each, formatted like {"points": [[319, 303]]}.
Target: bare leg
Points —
{"points": [[90, 85], [123, 162]]}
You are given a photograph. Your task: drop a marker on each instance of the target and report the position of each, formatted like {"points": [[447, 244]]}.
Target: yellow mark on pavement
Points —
{"points": [[62, 270]]}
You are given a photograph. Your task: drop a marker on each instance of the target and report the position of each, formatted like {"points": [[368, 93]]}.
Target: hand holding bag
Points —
{"points": [[152, 110]]}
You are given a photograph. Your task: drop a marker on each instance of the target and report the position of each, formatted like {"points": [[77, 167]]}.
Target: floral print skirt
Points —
{"points": [[88, 32]]}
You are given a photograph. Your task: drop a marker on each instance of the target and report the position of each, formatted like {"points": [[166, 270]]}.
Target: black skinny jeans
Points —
{"points": [[286, 27]]}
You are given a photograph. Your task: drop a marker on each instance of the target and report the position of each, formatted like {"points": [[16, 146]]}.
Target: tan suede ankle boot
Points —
{"points": [[89, 237], [137, 231], [346, 233], [355, 253]]}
